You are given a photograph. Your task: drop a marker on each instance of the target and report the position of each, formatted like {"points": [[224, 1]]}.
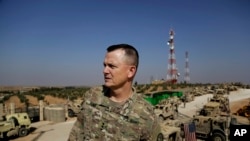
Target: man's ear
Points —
{"points": [[131, 71]]}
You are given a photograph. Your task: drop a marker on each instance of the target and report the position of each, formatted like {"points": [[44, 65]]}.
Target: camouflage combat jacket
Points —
{"points": [[103, 120]]}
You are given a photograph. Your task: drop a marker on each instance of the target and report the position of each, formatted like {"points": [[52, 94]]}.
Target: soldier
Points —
{"points": [[115, 111], [184, 99]]}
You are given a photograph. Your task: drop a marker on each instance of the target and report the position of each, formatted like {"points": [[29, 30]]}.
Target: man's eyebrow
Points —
{"points": [[108, 64]]}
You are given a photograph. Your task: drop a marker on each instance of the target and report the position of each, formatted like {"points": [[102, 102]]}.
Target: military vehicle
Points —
{"points": [[223, 100], [232, 88], [212, 123], [171, 130], [166, 107], [244, 111], [15, 124], [214, 108], [229, 87], [210, 109], [220, 91], [197, 92], [166, 110], [156, 97], [176, 101], [211, 128], [165, 103], [74, 107]]}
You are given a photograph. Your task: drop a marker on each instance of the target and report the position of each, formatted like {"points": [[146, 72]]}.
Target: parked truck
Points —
{"points": [[74, 107], [166, 109], [212, 128], [165, 105], [17, 124], [171, 130], [211, 123]]}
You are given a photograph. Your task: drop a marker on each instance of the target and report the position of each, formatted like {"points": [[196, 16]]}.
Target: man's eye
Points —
{"points": [[112, 66]]}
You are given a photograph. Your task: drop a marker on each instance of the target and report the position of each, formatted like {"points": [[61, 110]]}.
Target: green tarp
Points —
{"points": [[155, 97]]}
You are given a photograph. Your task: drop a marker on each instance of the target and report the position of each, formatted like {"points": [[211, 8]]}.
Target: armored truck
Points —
{"points": [[211, 128], [74, 107], [166, 110], [171, 130], [223, 102], [212, 123], [17, 124]]}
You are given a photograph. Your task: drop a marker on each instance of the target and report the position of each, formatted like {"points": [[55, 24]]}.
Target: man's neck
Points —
{"points": [[121, 95]]}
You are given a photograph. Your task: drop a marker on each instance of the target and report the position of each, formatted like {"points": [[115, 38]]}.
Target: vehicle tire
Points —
{"points": [[171, 138], [23, 132], [161, 118], [246, 114], [218, 137], [71, 113], [160, 137], [5, 137]]}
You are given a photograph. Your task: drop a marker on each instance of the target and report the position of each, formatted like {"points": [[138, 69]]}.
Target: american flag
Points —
{"points": [[189, 130]]}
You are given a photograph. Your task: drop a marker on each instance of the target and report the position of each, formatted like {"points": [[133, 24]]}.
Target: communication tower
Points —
{"points": [[172, 73], [186, 77]]}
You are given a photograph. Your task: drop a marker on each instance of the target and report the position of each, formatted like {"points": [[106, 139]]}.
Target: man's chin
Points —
{"points": [[107, 84]]}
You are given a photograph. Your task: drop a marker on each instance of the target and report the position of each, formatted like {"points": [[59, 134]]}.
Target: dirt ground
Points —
{"points": [[234, 106]]}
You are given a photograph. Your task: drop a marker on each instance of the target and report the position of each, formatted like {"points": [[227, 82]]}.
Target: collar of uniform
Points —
{"points": [[99, 94], [130, 99]]}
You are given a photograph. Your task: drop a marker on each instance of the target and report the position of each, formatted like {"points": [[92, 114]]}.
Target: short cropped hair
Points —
{"points": [[130, 52]]}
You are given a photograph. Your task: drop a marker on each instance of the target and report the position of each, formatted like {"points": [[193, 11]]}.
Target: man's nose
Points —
{"points": [[105, 69]]}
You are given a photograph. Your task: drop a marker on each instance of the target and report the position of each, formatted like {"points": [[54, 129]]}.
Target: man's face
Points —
{"points": [[116, 69]]}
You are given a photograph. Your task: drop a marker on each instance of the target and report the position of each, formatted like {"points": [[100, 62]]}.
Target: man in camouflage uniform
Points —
{"points": [[115, 111]]}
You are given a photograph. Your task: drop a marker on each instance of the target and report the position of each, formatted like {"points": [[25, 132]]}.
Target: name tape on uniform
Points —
{"points": [[239, 132]]}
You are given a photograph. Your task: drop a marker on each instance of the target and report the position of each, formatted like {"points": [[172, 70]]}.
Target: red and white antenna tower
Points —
{"points": [[186, 77], [172, 74]]}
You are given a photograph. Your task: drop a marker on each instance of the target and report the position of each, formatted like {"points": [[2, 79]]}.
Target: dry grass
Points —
{"points": [[33, 101]]}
